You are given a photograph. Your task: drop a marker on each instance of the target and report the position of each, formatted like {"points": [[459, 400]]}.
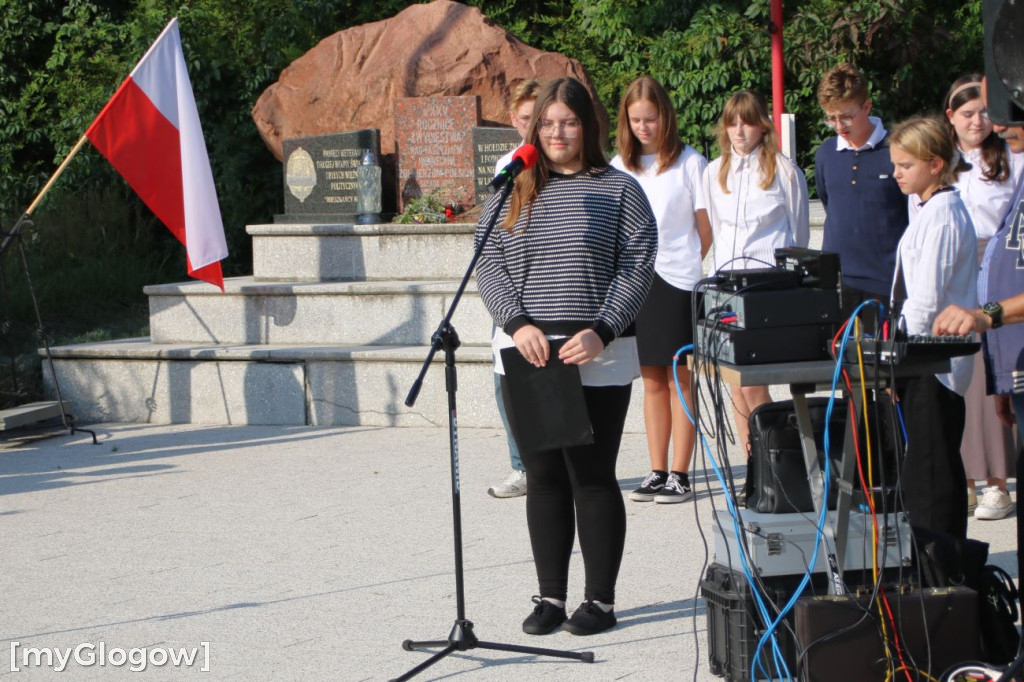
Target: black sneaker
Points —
{"points": [[590, 619], [545, 618], [651, 486], [674, 491]]}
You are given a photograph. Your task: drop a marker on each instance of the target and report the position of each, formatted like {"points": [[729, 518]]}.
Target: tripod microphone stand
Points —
{"points": [[462, 637], [15, 235]]}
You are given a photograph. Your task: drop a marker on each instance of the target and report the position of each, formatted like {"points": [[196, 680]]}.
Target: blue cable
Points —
{"points": [[771, 626], [780, 663]]}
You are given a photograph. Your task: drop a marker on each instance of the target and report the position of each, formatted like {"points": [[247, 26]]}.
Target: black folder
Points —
{"points": [[546, 404]]}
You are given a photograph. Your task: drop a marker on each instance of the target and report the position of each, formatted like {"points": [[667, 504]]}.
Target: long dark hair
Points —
{"points": [[572, 94], [995, 159], [646, 89]]}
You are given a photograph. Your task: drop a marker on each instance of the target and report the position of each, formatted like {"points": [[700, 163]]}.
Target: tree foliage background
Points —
{"points": [[95, 246]]}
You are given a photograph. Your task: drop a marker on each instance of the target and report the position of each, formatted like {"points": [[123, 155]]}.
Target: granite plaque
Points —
{"points": [[434, 143], [320, 176], [489, 145]]}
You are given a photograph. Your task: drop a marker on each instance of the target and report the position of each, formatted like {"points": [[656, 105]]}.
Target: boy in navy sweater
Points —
{"points": [[866, 213]]}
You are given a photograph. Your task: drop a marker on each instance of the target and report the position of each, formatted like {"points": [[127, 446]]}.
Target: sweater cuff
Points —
{"points": [[515, 324], [604, 331]]}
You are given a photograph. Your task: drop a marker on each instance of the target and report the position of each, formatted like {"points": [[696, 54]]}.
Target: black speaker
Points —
{"points": [[1004, 60]]}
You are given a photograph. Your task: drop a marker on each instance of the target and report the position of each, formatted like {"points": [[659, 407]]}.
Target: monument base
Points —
{"points": [[316, 218]]}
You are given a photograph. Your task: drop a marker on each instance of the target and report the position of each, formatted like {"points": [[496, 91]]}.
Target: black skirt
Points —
{"points": [[664, 323]]}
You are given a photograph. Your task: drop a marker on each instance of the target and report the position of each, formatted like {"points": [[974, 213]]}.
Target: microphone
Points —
{"points": [[523, 158]]}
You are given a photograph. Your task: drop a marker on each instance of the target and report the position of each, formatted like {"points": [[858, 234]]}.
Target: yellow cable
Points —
{"points": [[868, 492]]}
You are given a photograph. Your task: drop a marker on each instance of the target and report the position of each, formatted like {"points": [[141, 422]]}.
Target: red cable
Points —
{"points": [[874, 519]]}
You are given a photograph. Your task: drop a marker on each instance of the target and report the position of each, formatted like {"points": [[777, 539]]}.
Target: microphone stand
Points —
{"points": [[66, 419], [461, 637], [15, 234]]}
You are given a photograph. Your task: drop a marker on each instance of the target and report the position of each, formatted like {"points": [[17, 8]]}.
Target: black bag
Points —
{"points": [[776, 474], [999, 602], [945, 561]]}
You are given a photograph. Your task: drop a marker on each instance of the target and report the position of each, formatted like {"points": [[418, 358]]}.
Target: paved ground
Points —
{"points": [[311, 553]]}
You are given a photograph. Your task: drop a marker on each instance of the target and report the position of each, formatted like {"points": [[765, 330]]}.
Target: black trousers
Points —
{"points": [[932, 478], [575, 488]]}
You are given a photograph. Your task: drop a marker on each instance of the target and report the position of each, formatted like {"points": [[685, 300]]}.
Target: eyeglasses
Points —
{"points": [[985, 116], [568, 129], [839, 120]]}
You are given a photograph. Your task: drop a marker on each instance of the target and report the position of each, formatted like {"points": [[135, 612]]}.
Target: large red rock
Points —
{"points": [[350, 80]]}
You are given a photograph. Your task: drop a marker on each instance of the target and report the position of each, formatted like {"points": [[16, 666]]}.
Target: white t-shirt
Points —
{"points": [[749, 223], [617, 365], [675, 196], [988, 202]]}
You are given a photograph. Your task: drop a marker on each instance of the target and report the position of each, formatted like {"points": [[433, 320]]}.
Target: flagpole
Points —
{"points": [[53, 178]]}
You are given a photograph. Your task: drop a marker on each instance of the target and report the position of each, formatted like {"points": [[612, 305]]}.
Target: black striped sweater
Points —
{"points": [[582, 256]]}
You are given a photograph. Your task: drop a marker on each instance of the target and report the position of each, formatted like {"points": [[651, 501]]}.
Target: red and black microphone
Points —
{"points": [[523, 158]]}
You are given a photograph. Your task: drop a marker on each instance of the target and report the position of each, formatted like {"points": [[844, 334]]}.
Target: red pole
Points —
{"points": [[778, 84]]}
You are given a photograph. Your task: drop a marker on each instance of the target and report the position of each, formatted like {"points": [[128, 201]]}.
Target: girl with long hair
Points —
{"points": [[573, 260], [670, 174], [757, 202], [988, 446]]}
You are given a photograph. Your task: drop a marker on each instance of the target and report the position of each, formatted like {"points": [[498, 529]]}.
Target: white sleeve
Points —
{"points": [[695, 167], [797, 203]]}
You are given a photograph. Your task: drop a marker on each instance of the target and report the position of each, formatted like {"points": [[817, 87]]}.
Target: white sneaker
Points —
{"points": [[514, 485], [994, 504]]}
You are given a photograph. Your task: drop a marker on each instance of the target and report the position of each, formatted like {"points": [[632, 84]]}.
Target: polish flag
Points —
{"points": [[150, 133]]}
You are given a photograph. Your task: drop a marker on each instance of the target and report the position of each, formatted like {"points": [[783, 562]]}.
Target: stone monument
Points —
{"points": [[434, 145], [320, 176]]}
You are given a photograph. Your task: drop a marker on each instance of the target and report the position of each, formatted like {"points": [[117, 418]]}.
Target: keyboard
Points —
{"points": [[913, 348]]}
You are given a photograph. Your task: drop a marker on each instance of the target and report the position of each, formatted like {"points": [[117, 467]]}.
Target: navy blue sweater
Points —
{"points": [[866, 213]]}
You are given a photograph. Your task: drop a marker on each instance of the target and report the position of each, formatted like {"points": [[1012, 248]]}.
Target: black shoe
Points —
{"points": [[651, 486], [675, 490], [590, 619], [545, 618]]}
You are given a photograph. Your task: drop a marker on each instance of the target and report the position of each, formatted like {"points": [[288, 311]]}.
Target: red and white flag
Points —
{"points": [[150, 133]]}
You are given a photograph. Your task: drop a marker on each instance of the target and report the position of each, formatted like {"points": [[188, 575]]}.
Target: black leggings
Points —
{"points": [[577, 486]]}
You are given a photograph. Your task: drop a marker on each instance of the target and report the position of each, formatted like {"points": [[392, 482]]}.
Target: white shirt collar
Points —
{"points": [[877, 135]]}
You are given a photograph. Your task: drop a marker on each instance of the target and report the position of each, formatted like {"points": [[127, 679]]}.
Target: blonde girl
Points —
{"points": [[757, 202]]}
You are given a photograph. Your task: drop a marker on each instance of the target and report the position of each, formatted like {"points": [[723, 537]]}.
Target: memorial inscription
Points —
{"points": [[434, 142], [489, 145], [320, 178]]}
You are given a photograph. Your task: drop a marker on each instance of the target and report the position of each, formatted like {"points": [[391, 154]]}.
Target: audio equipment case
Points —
{"points": [[782, 544]]}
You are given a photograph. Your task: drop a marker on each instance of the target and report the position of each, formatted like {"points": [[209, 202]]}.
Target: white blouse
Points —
{"points": [[749, 223], [937, 255], [675, 196]]}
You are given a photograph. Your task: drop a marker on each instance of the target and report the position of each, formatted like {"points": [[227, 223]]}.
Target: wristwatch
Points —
{"points": [[994, 312]]}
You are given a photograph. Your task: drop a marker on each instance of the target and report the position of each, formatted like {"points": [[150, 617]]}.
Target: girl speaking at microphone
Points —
{"points": [[573, 259]]}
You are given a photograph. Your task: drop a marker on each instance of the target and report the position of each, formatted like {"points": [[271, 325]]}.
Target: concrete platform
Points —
{"points": [[137, 381], [315, 253], [365, 313]]}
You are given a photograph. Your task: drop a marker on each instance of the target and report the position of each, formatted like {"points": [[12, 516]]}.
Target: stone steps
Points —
{"points": [[331, 329], [368, 313], [323, 253], [136, 380]]}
